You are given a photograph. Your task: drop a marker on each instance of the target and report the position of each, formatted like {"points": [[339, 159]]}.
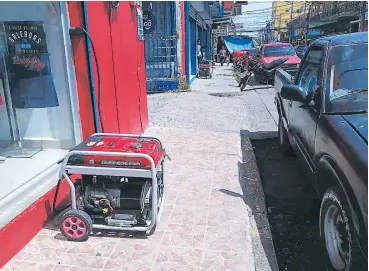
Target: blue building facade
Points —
{"points": [[171, 30], [199, 20]]}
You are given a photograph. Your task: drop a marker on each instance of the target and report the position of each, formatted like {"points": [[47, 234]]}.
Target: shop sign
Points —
{"points": [[314, 33], [148, 22]]}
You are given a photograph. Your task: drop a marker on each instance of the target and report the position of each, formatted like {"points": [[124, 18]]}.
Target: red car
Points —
{"points": [[272, 51]]}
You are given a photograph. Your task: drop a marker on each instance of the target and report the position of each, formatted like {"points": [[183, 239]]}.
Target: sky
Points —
{"points": [[254, 16]]}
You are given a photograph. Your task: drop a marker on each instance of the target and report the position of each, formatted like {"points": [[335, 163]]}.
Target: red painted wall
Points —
{"points": [[18, 232], [81, 70], [228, 5], [122, 66]]}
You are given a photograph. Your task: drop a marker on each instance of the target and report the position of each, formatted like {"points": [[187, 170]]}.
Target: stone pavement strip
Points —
{"points": [[204, 225]]}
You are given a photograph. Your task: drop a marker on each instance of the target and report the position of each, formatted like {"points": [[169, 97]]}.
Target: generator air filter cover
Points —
{"points": [[107, 143]]}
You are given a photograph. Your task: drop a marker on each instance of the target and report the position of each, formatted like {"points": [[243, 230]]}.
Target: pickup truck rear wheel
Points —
{"points": [[284, 143], [336, 231]]}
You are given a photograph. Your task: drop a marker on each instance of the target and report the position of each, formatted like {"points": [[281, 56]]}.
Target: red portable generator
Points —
{"points": [[122, 185]]}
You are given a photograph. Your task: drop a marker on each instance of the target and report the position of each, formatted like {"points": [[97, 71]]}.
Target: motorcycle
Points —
{"points": [[264, 69], [240, 65]]}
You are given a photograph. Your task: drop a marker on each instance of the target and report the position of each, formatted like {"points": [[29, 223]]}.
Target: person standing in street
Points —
{"points": [[198, 52], [215, 54], [215, 51], [223, 55]]}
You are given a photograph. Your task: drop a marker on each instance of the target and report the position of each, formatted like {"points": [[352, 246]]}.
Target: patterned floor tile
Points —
{"points": [[173, 183], [189, 215], [193, 197], [138, 255], [178, 259], [226, 175], [225, 239], [99, 247], [205, 161], [71, 268], [228, 217], [199, 179], [15, 265], [43, 249], [83, 260], [229, 162], [171, 195], [225, 261], [189, 236]]}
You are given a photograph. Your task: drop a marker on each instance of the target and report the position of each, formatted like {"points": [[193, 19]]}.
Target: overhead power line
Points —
{"points": [[266, 9]]}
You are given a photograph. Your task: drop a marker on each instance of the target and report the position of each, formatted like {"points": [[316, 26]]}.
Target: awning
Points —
{"points": [[311, 33], [234, 43], [314, 24]]}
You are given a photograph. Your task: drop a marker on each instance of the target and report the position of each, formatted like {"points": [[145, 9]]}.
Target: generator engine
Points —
{"points": [[118, 201]]}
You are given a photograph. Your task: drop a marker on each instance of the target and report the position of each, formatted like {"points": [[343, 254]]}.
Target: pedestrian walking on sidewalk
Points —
{"points": [[223, 55]]}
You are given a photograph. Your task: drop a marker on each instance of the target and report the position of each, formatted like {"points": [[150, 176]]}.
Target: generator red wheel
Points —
{"points": [[76, 225]]}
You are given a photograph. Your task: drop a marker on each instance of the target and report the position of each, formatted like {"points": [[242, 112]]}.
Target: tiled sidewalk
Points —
{"points": [[204, 225]]}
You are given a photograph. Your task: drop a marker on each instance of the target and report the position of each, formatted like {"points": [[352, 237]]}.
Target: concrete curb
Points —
{"points": [[262, 242], [249, 230]]}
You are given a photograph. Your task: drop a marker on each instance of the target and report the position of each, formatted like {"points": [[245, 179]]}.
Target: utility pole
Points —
{"points": [[279, 28], [362, 19], [307, 23], [290, 38]]}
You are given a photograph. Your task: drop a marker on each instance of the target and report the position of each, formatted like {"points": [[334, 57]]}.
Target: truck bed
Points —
{"points": [[281, 78]]}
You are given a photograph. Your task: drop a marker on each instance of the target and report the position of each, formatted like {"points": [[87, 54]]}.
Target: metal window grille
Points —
{"points": [[161, 47]]}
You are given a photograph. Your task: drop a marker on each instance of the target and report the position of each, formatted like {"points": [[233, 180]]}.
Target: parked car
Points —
{"points": [[272, 51], [301, 50], [323, 117]]}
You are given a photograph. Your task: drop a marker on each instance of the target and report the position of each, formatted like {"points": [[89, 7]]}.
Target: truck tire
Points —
{"points": [[336, 231], [283, 141]]}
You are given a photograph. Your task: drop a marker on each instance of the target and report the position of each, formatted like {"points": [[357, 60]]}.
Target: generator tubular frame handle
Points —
{"points": [[154, 197]]}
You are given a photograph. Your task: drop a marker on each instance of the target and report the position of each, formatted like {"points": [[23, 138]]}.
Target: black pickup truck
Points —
{"points": [[323, 118]]}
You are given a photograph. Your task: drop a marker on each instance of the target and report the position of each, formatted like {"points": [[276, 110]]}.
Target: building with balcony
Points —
{"points": [[334, 17], [325, 18], [282, 11]]}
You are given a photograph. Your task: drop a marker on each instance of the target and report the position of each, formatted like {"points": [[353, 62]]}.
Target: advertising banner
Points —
{"points": [[28, 65]]}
